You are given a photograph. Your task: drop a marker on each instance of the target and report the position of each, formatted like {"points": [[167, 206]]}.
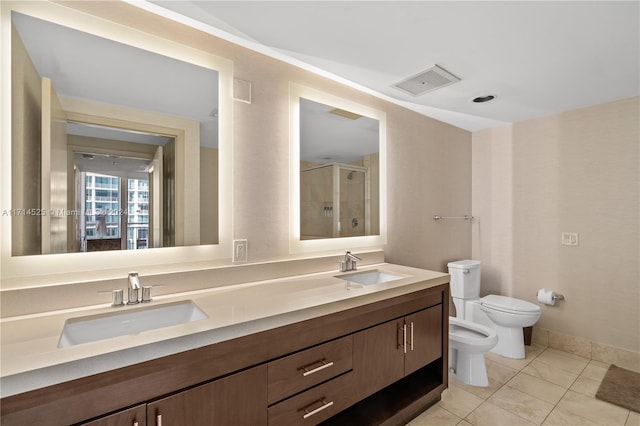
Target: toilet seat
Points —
{"points": [[509, 305], [474, 337]]}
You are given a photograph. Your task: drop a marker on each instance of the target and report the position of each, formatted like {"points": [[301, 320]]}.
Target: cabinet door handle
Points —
{"points": [[136, 424], [308, 413], [308, 370], [404, 338], [411, 336], [159, 420]]}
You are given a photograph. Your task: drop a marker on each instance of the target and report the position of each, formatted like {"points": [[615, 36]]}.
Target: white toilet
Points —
{"points": [[467, 344], [468, 341], [506, 315]]}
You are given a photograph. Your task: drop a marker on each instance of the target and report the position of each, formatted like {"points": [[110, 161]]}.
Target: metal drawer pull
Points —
{"points": [[159, 420], [324, 406], [324, 365], [136, 424]]}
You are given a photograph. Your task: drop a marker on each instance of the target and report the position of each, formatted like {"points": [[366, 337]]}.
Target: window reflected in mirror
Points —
{"points": [[123, 195], [339, 173]]}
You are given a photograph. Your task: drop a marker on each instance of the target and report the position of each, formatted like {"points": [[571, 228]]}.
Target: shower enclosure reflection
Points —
{"points": [[334, 203]]}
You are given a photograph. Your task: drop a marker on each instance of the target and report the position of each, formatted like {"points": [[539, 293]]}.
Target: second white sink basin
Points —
{"points": [[129, 321], [370, 277]]}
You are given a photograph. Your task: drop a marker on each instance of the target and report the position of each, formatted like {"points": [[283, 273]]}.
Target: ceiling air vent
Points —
{"points": [[427, 81]]}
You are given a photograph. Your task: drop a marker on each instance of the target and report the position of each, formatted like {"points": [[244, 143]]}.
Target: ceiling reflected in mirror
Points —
{"points": [[333, 135], [86, 66], [113, 110]]}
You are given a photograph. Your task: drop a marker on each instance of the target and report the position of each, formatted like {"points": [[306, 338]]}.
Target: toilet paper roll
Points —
{"points": [[546, 296]]}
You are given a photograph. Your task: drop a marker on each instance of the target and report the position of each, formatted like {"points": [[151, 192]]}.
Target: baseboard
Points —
{"points": [[586, 348]]}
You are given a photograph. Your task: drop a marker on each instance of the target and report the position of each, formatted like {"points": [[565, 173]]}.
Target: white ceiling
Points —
{"points": [[537, 58]]}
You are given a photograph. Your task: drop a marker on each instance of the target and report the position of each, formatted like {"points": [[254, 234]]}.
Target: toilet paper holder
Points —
{"points": [[555, 296]]}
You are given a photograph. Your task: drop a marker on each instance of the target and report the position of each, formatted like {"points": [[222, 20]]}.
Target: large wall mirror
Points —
{"points": [[119, 141], [338, 172]]}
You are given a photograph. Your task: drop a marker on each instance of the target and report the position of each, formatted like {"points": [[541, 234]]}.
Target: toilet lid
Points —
{"points": [[509, 304]]}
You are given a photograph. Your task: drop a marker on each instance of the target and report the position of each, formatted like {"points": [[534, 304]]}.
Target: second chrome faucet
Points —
{"points": [[349, 263], [133, 291]]}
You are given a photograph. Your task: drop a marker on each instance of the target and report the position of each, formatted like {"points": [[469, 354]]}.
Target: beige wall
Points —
{"points": [[573, 172], [429, 168], [429, 173]]}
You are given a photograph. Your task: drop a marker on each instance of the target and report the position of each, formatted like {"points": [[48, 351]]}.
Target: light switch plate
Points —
{"points": [[239, 250], [569, 238]]}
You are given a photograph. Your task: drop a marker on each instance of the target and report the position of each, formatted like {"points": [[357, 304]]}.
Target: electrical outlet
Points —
{"points": [[569, 238], [239, 250]]}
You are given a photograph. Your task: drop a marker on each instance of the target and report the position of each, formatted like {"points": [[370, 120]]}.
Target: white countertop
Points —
{"points": [[30, 357]]}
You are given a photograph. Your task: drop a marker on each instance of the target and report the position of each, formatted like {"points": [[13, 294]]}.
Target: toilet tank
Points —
{"points": [[465, 279]]}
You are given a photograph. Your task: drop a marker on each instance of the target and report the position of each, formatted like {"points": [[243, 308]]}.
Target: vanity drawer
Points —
{"points": [[316, 404], [297, 372]]}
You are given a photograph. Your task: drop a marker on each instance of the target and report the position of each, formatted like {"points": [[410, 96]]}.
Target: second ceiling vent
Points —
{"points": [[427, 81]]}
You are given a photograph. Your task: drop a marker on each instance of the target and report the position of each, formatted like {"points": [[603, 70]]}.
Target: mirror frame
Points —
{"points": [[113, 263], [296, 245]]}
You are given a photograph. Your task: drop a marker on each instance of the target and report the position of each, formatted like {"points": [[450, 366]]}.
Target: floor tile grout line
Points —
{"points": [[519, 370], [565, 392]]}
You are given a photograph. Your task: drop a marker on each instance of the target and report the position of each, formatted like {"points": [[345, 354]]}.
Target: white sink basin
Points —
{"points": [[129, 321], [370, 277]]}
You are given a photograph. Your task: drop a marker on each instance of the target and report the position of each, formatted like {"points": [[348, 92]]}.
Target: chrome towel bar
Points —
{"points": [[465, 217]]}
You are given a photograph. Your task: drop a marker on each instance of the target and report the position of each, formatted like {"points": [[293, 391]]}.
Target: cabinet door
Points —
{"points": [[136, 416], [240, 399], [424, 338], [378, 357]]}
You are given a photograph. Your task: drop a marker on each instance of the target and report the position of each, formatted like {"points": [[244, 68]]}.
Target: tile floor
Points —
{"points": [[548, 387]]}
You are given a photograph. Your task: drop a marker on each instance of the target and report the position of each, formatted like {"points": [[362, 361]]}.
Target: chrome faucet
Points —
{"points": [[134, 286], [349, 262]]}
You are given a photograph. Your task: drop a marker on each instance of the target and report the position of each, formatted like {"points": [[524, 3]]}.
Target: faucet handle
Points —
{"points": [[117, 297], [146, 292]]}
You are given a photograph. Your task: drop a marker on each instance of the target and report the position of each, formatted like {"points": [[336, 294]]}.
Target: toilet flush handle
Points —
{"points": [[465, 271]]}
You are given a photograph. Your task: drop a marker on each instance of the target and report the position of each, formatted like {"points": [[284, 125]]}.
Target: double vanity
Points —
{"points": [[214, 346], [361, 347]]}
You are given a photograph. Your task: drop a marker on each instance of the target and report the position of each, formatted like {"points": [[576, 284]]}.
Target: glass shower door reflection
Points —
{"points": [[353, 211]]}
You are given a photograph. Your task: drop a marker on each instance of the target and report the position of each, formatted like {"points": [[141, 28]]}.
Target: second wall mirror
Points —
{"points": [[338, 179]]}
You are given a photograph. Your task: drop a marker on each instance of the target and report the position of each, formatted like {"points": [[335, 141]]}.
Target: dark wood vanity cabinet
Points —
{"points": [[424, 338], [380, 363], [239, 399], [388, 352], [136, 416]]}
